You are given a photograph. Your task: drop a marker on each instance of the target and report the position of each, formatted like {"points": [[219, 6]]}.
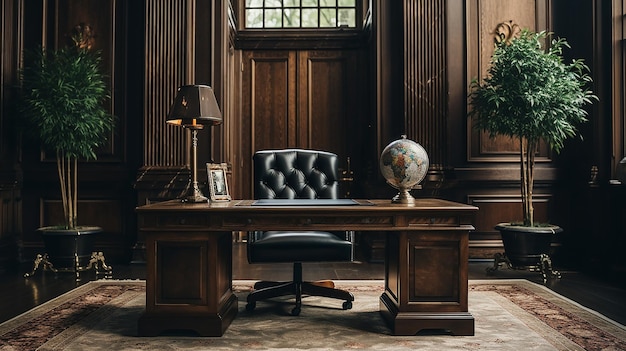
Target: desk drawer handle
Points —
{"points": [[307, 221], [182, 221], [249, 221], [366, 220]]}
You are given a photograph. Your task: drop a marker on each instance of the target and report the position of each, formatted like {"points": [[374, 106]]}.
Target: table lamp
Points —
{"points": [[193, 107]]}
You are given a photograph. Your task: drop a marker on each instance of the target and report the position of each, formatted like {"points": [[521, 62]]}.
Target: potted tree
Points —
{"points": [[530, 94], [62, 106]]}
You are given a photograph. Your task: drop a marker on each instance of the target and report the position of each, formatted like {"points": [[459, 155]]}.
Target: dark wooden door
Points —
{"points": [[296, 99]]}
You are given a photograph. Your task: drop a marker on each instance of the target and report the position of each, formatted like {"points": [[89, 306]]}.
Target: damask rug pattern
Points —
{"points": [[509, 315]]}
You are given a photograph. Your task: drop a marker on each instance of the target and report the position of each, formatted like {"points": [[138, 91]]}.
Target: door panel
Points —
{"points": [[268, 107], [324, 100], [271, 106]]}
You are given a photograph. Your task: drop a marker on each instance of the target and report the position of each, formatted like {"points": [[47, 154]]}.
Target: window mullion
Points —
{"points": [[292, 15]]}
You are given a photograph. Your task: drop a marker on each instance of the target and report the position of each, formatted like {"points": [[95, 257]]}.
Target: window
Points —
{"points": [[296, 14]]}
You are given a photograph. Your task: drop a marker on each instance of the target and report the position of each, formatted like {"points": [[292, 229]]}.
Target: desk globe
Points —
{"points": [[404, 164]]}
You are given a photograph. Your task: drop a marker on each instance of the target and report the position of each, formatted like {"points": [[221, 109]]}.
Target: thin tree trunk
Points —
{"points": [[70, 210], [61, 170], [75, 193], [524, 180], [67, 168], [528, 179]]}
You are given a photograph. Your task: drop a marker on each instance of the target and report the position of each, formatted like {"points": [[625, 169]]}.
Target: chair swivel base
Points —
{"points": [[265, 290]]}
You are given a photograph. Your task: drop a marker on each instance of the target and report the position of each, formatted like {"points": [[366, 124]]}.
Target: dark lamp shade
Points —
{"points": [[194, 105]]}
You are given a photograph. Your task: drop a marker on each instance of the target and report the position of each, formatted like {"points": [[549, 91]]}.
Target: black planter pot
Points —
{"points": [[526, 248], [69, 249]]}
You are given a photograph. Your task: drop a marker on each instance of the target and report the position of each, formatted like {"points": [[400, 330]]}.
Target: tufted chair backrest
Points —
{"points": [[295, 174]]}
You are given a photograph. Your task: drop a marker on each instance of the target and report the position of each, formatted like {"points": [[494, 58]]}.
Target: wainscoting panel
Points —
{"points": [[487, 19], [485, 241]]}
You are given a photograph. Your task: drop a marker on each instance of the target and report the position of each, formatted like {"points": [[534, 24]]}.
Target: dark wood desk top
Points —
{"points": [[369, 215], [243, 205]]}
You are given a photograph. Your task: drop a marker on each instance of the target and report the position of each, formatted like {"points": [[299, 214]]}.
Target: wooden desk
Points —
{"points": [[189, 259]]}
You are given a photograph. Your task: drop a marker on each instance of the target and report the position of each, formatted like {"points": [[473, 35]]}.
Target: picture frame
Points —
{"points": [[218, 185]]}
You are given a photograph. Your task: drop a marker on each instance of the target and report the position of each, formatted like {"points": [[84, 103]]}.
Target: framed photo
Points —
{"points": [[218, 186]]}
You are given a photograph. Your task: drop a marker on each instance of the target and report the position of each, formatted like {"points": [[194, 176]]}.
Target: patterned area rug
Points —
{"points": [[509, 315]]}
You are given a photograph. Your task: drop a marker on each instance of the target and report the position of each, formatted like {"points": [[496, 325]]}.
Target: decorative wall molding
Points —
{"points": [[425, 76], [169, 63]]}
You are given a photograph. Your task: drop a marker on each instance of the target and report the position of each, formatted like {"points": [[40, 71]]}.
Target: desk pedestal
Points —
{"points": [[426, 282], [188, 283]]}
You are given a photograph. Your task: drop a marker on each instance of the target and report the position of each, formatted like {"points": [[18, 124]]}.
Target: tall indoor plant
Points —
{"points": [[63, 95], [531, 94]]}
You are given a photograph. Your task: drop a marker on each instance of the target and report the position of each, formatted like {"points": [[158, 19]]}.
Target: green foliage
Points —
{"points": [[63, 93], [62, 105], [531, 94]]}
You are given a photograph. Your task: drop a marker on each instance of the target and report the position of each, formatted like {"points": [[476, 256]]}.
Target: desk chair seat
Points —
{"points": [[297, 174]]}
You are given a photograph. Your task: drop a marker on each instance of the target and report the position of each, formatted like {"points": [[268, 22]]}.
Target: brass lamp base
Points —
{"points": [[196, 198], [196, 195]]}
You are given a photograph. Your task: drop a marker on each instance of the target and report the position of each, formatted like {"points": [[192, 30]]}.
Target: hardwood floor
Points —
{"points": [[19, 294]]}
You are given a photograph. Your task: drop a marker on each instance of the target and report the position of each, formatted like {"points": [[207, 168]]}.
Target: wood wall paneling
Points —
{"points": [[483, 18], [10, 177], [425, 77], [167, 67], [106, 214], [11, 46], [503, 206], [100, 16], [618, 81], [10, 224]]}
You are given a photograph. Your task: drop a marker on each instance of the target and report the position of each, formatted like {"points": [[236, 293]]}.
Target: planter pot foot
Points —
{"points": [[43, 262], [96, 263], [544, 266]]}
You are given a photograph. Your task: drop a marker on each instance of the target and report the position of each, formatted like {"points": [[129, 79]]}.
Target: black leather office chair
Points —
{"points": [[297, 174]]}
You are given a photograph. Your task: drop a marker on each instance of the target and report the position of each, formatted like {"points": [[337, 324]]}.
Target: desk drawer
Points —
{"points": [[289, 221], [433, 221], [175, 220]]}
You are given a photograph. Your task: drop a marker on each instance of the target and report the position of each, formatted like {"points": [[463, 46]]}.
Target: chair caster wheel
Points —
{"points": [[296, 311], [347, 305], [250, 306]]}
